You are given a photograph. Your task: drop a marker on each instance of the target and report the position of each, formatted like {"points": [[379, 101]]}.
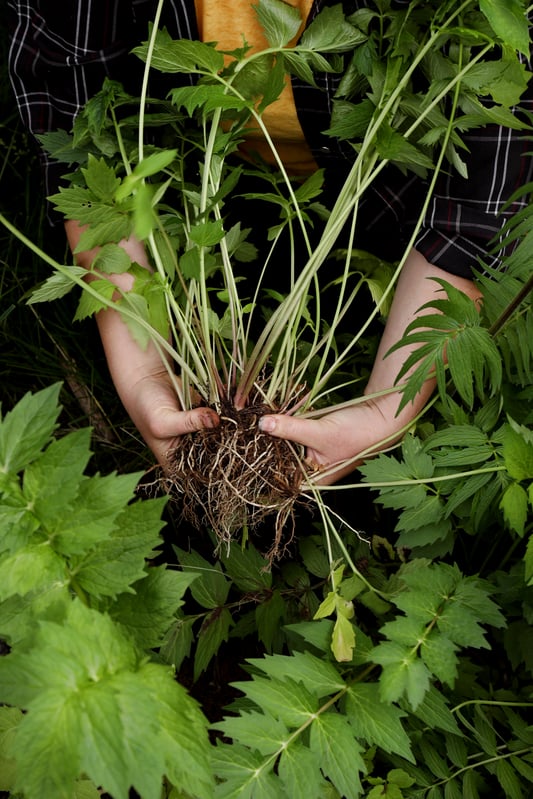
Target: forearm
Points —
{"points": [[415, 288]]}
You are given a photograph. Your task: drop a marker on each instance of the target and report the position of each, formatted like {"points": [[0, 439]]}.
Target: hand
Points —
{"points": [[335, 438], [153, 406]]}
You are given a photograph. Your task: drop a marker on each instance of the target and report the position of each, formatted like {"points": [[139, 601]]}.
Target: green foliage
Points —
{"points": [[82, 611], [394, 664]]}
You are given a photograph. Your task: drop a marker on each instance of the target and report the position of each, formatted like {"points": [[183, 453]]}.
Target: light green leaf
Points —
{"points": [[333, 743], [289, 701], [57, 285], [299, 772], [120, 560], [35, 567], [182, 55], [10, 718], [509, 21], [280, 21], [518, 452], [514, 505], [89, 304], [375, 722], [52, 482], [258, 731], [438, 653], [403, 674], [317, 675], [330, 32], [343, 639], [112, 259], [27, 428], [148, 613]]}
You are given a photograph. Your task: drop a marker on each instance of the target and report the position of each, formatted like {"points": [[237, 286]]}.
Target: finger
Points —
{"points": [[171, 423], [302, 431]]}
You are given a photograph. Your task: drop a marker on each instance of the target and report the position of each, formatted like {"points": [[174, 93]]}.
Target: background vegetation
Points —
{"points": [[431, 603]]}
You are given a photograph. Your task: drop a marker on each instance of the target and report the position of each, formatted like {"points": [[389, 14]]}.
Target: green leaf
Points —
{"points": [[214, 631], [330, 32], [291, 702], [89, 304], [518, 452], [247, 568], [211, 588], [93, 708], [318, 676], [435, 712], [269, 615], [148, 613], [279, 21], [509, 21], [343, 639], [528, 561], [57, 285], [120, 559], [514, 504], [403, 673], [299, 772], [375, 722], [34, 567], [112, 259], [333, 744], [182, 55], [263, 733], [27, 428], [10, 718], [392, 146]]}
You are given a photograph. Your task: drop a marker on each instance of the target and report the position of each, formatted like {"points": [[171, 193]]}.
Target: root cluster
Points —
{"points": [[234, 476]]}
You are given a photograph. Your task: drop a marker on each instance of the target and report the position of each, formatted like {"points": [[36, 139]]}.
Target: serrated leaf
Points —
{"points": [[112, 259], [333, 743], [299, 772], [375, 722], [148, 612], [514, 504], [27, 428], [289, 701], [438, 653], [403, 673], [56, 286], [90, 304], [330, 32], [247, 568], [51, 483], [120, 559], [343, 639], [34, 567], [263, 733], [518, 452], [183, 55], [10, 718], [317, 675], [92, 519], [214, 631], [92, 708], [435, 712]]}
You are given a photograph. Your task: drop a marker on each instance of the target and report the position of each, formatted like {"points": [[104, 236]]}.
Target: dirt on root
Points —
{"points": [[234, 476]]}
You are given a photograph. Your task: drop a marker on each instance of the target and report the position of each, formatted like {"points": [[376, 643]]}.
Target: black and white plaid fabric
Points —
{"points": [[61, 52]]}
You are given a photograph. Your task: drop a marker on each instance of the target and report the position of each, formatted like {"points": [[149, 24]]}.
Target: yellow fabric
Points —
{"points": [[228, 22]]}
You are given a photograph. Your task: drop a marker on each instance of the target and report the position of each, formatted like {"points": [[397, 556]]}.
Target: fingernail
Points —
{"points": [[267, 424]]}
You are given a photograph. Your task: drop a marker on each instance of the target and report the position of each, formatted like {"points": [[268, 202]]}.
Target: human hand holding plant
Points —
{"points": [[380, 419], [141, 379]]}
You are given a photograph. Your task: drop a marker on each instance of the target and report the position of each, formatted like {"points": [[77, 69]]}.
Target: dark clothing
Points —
{"points": [[61, 52]]}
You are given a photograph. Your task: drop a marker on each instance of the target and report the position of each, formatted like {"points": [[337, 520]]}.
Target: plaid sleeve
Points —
{"points": [[465, 215], [60, 54]]}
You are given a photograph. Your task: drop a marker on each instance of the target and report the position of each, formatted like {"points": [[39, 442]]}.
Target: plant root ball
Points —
{"points": [[234, 476]]}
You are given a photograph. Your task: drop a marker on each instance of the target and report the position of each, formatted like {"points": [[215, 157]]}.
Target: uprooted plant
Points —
{"points": [[420, 90]]}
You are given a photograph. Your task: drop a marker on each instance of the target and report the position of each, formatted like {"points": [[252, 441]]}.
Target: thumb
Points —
{"points": [[302, 431]]}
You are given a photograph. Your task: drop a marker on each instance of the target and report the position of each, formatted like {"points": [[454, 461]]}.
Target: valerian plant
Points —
{"points": [[422, 87], [396, 669]]}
